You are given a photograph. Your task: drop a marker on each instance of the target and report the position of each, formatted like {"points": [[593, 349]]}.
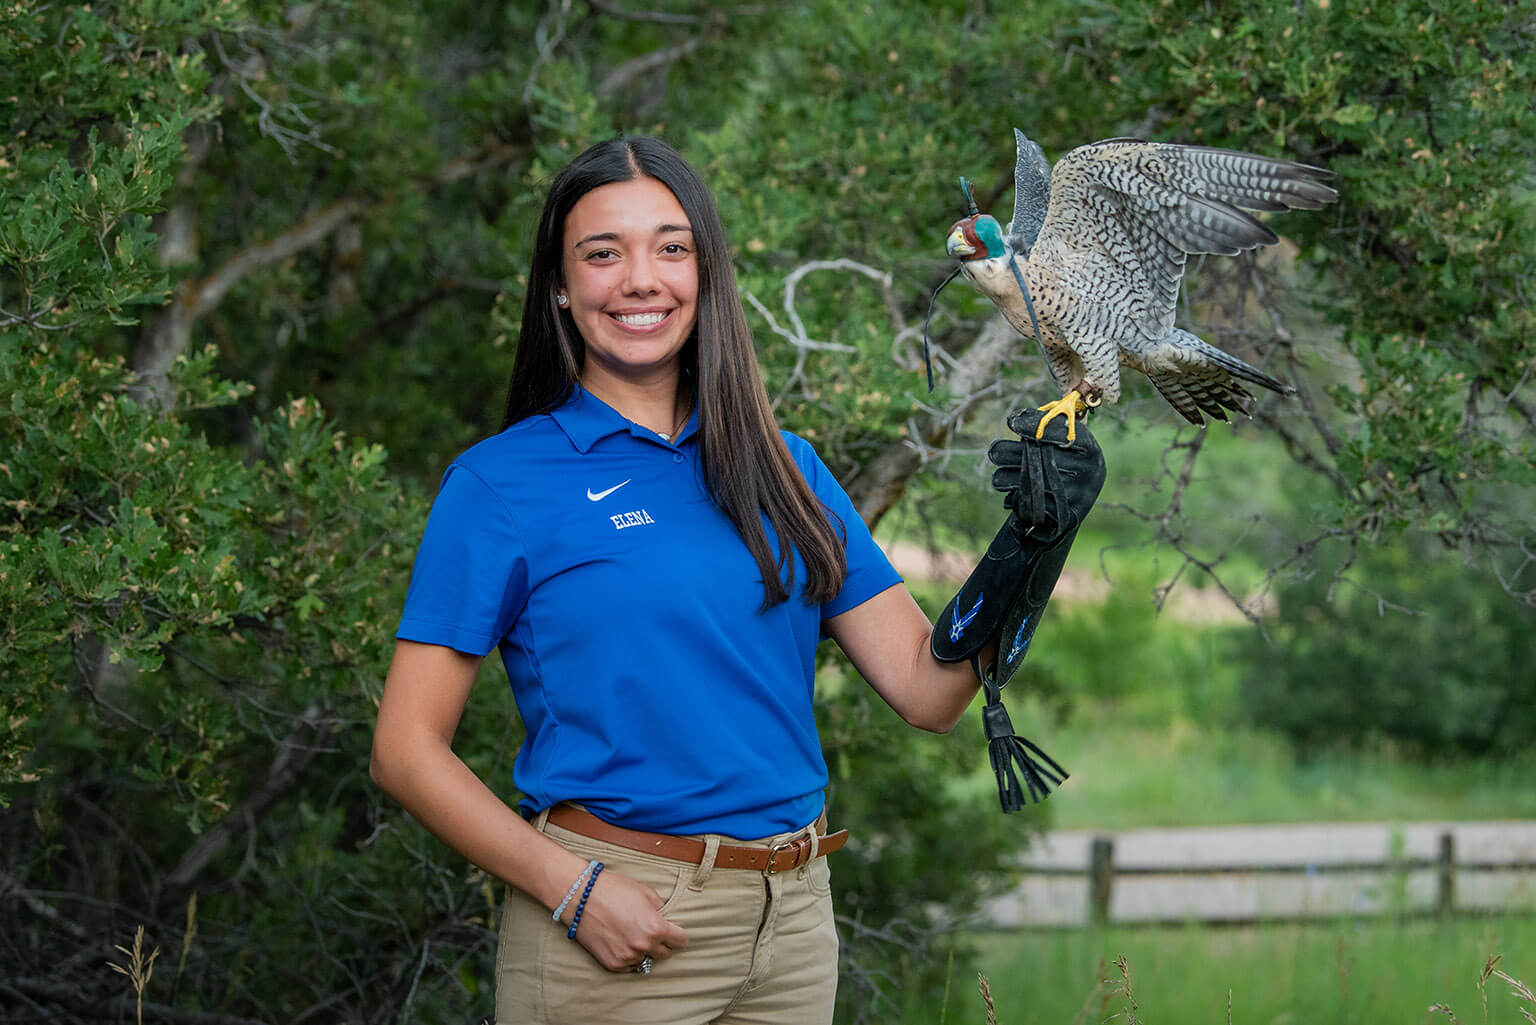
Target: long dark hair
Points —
{"points": [[747, 468]]}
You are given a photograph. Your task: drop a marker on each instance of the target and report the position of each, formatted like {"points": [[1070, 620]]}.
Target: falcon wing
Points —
{"points": [[1125, 214], [1031, 194]]}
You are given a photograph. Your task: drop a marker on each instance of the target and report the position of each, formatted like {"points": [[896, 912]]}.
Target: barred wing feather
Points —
{"points": [[1124, 215]]}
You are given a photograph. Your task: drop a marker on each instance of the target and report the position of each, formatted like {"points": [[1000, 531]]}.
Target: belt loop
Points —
{"points": [[706, 865], [541, 818], [815, 843]]}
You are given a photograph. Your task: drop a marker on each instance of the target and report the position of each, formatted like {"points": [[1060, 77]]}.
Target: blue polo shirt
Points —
{"points": [[625, 606]]}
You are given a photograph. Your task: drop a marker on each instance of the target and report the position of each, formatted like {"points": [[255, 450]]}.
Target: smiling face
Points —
{"points": [[632, 281]]}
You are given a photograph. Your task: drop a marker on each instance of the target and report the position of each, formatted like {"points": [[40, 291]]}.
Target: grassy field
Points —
{"points": [[1126, 776], [1370, 973], [1146, 712]]}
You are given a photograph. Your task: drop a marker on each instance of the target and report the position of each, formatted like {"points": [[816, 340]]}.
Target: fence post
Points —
{"points": [[1445, 882], [1101, 877]]}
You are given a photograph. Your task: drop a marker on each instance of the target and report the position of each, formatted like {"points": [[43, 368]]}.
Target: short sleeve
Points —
{"points": [[869, 571], [470, 579]]}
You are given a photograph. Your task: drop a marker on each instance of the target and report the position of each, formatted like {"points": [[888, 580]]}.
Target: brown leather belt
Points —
{"points": [[779, 857]]}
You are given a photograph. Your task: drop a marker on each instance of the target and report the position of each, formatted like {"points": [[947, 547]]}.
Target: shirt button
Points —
{"points": [[677, 457]]}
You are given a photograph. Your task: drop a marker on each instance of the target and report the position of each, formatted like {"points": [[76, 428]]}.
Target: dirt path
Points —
{"points": [[1063, 900]]}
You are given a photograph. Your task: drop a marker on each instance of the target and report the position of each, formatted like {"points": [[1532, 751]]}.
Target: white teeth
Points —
{"points": [[639, 319]]}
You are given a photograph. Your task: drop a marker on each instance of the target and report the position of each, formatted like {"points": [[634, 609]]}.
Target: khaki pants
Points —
{"points": [[762, 949]]}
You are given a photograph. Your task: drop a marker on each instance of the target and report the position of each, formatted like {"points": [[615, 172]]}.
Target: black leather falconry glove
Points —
{"points": [[1051, 484]]}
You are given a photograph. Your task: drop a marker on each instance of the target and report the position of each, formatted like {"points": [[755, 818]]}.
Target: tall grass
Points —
{"points": [[1358, 973], [139, 969], [1184, 773]]}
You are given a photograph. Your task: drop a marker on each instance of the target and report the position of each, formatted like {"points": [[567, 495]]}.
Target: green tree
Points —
{"points": [[1361, 669], [1428, 427], [219, 217]]}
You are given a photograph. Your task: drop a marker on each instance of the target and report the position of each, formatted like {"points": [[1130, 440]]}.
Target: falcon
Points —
{"points": [[1091, 262]]}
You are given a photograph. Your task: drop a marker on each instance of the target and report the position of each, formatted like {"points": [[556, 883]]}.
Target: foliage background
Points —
{"points": [[259, 281]]}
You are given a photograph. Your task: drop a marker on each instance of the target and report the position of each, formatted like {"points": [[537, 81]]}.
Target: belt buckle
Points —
{"points": [[802, 843], [773, 852]]}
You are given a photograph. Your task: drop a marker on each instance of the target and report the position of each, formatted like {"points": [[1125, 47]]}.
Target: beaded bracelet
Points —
{"points": [[597, 868], [572, 891]]}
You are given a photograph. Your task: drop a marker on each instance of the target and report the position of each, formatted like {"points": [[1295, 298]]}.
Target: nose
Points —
{"points": [[641, 278]]}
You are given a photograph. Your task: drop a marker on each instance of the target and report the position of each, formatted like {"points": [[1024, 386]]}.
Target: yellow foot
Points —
{"points": [[1071, 405]]}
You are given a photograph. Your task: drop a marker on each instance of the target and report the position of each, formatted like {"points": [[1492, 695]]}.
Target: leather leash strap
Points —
{"points": [[779, 858]]}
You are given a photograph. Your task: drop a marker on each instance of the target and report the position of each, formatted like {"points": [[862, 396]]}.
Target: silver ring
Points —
{"points": [[644, 967]]}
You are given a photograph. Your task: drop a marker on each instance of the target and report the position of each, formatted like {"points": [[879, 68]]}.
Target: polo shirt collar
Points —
{"points": [[587, 419]]}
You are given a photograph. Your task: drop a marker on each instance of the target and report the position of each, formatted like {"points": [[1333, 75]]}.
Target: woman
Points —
{"points": [[619, 542]]}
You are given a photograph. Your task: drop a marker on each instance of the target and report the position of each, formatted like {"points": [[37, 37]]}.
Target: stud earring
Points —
{"points": [[562, 300]]}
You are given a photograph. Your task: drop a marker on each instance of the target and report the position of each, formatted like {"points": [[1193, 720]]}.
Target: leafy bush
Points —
{"points": [[1419, 649]]}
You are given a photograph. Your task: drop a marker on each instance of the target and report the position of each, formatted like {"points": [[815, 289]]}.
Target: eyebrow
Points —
{"points": [[613, 236]]}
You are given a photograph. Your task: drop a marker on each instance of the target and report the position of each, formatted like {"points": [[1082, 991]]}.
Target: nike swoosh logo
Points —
{"points": [[604, 494]]}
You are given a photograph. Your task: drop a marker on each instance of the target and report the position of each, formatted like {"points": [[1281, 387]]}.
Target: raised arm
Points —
{"points": [[886, 639], [921, 670]]}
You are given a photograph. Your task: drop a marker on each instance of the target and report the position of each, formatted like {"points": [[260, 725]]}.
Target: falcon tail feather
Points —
{"points": [[1191, 398], [1200, 379], [1198, 349]]}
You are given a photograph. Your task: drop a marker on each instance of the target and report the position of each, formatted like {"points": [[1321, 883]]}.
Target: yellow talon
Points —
{"points": [[1071, 405]]}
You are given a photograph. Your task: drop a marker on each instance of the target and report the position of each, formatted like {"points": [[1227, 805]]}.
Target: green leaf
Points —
{"points": [[1355, 114]]}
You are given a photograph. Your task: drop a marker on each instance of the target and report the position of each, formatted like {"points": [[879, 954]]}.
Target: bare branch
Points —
{"points": [[546, 37], [1511, 401], [1298, 448], [292, 758], [659, 17], [797, 336], [975, 376], [213, 288], [473, 163], [11, 889], [798, 274], [170, 335], [445, 288], [1287, 344], [270, 118], [798, 340], [8, 319], [897, 936], [1507, 580], [620, 77]]}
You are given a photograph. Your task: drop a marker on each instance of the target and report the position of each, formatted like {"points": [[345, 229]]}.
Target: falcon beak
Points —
{"points": [[956, 245]]}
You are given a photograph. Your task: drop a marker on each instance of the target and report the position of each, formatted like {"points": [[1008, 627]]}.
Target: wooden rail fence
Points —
{"points": [[1103, 870]]}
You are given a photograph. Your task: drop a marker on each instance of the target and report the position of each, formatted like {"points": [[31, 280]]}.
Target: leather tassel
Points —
{"points": [[1012, 756]]}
